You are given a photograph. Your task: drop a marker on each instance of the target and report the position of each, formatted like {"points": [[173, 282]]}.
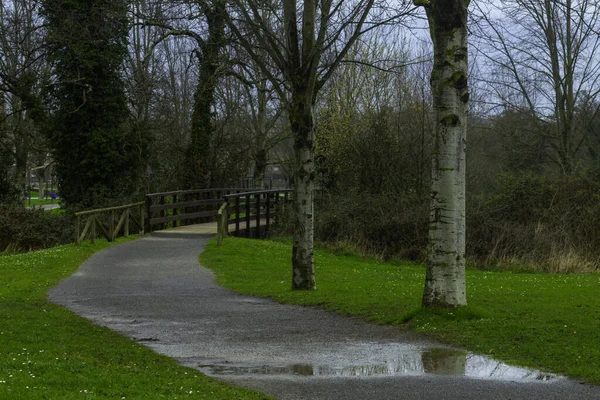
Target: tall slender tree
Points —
{"points": [[445, 284], [304, 42], [199, 156], [90, 145]]}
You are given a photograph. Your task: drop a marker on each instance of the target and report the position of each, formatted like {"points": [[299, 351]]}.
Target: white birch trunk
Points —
{"points": [[445, 284], [302, 122], [298, 57]]}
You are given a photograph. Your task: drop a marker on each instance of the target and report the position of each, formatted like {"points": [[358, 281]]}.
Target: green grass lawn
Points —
{"points": [[550, 322], [47, 352], [38, 202]]}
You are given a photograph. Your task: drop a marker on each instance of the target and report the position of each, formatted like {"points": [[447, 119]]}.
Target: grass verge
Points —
{"points": [[39, 202], [47, 352], [550, 322]]}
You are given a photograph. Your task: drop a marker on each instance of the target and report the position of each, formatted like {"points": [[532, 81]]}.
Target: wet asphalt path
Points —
{"points": [[154, 291]]}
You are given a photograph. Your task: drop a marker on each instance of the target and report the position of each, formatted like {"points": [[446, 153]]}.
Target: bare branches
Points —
{"points": [[318, 34], [357, 31], [549, 50]]}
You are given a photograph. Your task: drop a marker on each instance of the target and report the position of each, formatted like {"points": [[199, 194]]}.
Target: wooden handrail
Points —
{"points": [[111, 231], [258, 206], [228, 196], [184, 206], [101, 210], [192, 191]]}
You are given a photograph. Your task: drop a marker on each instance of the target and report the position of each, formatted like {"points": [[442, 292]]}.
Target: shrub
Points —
{"points": [[528, 222], [26, 230], [381, 224], [551, 223]]}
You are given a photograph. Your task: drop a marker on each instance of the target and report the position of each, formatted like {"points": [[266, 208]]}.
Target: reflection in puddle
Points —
{"points": [[412, 362]]}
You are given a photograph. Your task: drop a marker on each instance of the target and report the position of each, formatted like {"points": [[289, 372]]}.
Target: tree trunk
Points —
{"points": [[445, 281], [260, 153], [260, 166], [202, 129], [21, 151], [303, 124], [199, 154]]}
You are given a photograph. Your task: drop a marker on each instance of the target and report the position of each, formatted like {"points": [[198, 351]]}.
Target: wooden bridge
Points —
{"points": [[224, 210]]}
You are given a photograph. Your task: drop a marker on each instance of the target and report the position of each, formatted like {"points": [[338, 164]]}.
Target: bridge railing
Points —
{"points": [[250, 214], [184, 207], [109, 222]]}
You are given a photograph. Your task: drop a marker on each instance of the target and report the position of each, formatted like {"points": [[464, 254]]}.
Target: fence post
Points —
{"points": [[149, 213], [77, 229], [126, 228], [111, 226], [237, 215], [247, 215], [161, 201], [222, 217], [257, 198], [142, 222], [267, 212], [93, 233], [174, 212]]}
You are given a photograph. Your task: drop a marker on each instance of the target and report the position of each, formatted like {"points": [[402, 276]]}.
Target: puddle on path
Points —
{"points": [[407, 362]]}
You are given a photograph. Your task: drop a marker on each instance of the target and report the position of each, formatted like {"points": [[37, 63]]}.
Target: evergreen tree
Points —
{"points": [[88, 134]]}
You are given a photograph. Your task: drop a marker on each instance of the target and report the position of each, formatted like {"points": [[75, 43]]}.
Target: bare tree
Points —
{"points": [[545, 61], [265, 111], [305, 42], [445, 284], [142, 73], [22, 70], [203, 24], [375, 112], [172, 111]]}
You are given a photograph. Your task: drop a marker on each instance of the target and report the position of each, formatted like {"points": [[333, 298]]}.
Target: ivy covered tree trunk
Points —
{"points": [[260, 167], [303, 125], [445, 284], [199, 155], [91, 146], [260, 151]]}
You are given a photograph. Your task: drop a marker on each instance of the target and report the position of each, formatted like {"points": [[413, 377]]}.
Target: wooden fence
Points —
{"points": [[184, 207], [109, 222], [250, 213]]}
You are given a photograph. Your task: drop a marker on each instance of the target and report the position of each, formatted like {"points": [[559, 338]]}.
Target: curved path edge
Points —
{"points": [[154, 291]]}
